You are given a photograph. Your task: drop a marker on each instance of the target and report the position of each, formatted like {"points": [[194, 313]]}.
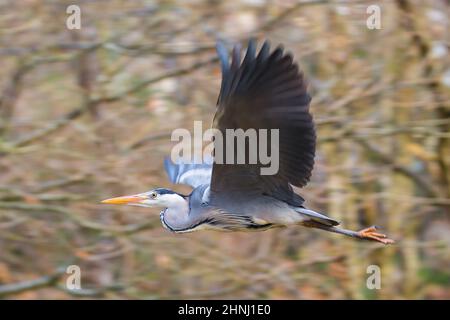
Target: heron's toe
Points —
{"points": [[372, 234]]}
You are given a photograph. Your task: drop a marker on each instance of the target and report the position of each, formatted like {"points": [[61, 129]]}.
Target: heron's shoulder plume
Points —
{"points": [[193, 174]]}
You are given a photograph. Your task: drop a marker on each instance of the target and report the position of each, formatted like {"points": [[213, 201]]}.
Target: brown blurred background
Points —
{"points": [[87, 114]]}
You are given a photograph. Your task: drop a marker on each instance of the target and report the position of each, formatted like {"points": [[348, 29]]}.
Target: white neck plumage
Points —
{"points": [[176, 215]]}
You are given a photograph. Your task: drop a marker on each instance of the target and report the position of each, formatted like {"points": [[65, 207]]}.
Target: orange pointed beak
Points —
{"points": [[124, 200]]}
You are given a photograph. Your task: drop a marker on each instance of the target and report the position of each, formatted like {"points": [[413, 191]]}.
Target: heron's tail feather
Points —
{"points": [[317, 216]]}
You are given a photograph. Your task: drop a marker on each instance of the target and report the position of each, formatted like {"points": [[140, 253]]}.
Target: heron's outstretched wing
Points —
{"points": [[188, 173], [265, 91]]}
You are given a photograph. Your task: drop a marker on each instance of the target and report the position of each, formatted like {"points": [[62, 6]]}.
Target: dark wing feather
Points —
{"points": [[266, 91]]}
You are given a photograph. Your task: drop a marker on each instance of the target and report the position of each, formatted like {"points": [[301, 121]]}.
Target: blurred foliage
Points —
{"points": [[87, 114]]}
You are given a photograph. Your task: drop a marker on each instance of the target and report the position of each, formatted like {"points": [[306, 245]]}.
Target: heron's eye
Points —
{"points": [[153, 195]]}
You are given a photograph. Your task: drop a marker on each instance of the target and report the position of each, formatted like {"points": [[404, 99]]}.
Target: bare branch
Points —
{"points": [[44, 281]]}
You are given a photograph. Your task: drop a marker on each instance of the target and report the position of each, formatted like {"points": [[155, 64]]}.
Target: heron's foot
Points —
{"points": [[372, 234]]}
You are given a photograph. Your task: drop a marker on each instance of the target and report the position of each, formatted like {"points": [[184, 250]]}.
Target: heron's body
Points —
{"points": [[264, 91], [234, 214]]}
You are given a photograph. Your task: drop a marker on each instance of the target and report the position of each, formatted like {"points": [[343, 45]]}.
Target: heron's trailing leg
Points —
{"points": [[364, 234]]}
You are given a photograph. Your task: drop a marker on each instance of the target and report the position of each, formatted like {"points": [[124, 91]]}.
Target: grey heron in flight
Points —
{"points": [[265, 90]]}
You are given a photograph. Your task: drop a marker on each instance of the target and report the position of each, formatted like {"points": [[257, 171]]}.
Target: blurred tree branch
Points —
{"points": [[126, 229], [44, 281]]}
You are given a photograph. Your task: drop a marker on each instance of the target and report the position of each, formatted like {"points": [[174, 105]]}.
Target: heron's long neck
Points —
{"points": [[176, 216]]}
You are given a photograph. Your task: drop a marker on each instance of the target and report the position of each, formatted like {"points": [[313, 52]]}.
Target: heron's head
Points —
{"points": [[159, 197]]}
